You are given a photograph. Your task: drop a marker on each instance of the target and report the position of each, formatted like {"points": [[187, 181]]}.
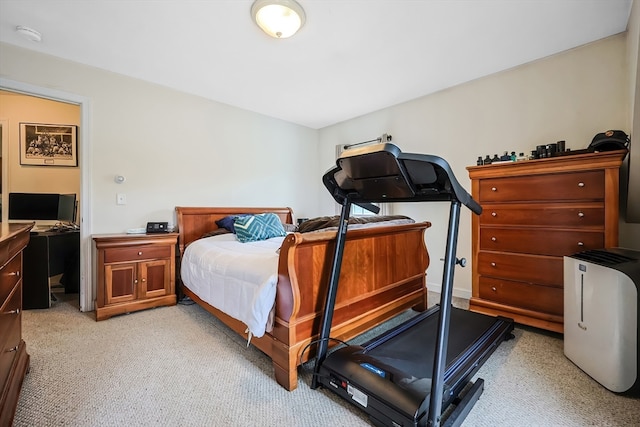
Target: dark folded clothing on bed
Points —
{"points": [[323, 222]]}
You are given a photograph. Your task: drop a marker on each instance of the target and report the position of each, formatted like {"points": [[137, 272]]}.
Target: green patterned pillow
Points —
{"points": [[252, 228]]}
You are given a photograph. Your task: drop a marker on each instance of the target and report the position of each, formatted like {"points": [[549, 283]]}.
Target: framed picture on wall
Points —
{"points": [[48, 145]]}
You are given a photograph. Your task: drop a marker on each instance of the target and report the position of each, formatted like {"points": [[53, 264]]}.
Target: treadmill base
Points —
{"points": [[390, 376]]}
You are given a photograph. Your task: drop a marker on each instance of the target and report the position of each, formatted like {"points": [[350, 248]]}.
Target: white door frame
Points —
{"points": [[87, 292], [4, 125]]}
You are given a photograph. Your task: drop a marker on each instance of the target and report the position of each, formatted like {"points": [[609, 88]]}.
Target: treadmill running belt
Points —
{"points": [[412, 351]]}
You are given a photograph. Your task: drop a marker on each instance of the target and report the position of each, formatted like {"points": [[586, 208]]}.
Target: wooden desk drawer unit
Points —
{"points": [[14, 360], [534, 213], [134, 272]]}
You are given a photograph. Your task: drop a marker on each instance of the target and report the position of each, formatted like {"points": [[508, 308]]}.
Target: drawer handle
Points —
{"points": [[494, 189], [580, 244], [15, 273], [144, 280], [581, 214], [493, 264], [581, 184], [16, 311], [140, 253], [135, 282], [493, 288], [494, 214], [493, 239], [12, 349]]}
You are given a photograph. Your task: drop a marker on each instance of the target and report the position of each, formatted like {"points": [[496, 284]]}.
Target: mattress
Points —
{"points": [[238, 279]]}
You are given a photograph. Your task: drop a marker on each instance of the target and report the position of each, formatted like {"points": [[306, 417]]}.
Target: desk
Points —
{"points": [[49, 254]]}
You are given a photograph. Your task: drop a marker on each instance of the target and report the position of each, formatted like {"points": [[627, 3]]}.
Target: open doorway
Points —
{"points": [[42, 176], [11, 127]]}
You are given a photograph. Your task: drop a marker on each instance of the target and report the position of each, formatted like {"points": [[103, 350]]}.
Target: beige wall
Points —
{"points": [[173, 148], [570, 96], [17, 108]]}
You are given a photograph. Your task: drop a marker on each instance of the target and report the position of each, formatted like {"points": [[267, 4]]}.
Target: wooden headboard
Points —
{"points": [[193, 222]]}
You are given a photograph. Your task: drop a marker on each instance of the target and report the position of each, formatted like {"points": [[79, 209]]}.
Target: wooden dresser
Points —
{"points": [[14, 360], [534, 213], [134, 272]]}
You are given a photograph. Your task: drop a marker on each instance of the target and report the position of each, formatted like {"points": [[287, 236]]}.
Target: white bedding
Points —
{"points": [[237, 278]]}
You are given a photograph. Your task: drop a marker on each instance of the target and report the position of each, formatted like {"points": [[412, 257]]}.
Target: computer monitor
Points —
{"points": [[67, 208], [43, 207], [33, 206]]}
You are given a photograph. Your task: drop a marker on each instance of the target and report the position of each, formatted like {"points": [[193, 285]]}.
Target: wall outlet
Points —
{"points": [[121, 199]]}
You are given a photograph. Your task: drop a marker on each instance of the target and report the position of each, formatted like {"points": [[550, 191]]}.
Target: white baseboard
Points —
{"points": [[459, 293]]}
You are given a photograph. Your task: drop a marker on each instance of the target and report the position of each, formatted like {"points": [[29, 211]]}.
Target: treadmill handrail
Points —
{"points": [[461, 194]]}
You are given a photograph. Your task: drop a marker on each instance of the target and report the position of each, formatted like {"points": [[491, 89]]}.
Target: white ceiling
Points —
{"points": [[352, 57]]}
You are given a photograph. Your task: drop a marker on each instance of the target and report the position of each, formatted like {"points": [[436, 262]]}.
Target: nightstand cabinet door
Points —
{"points": [[154, 277], [121, 282], [534, 213], [134, 272]]}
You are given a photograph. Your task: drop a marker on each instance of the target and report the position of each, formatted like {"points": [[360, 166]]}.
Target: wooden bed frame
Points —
{"points": [[383, 274]]}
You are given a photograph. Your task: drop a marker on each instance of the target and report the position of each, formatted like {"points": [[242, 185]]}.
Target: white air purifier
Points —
{"points": [[601, 316]]}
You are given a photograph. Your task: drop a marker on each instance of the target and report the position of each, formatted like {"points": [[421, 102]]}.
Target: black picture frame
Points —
{"points": [[48, 144]]}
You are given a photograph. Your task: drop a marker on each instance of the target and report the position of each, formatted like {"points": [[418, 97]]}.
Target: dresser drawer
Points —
{"points": [[539, 241], [10, 316], [9, 276], [10, 331], [529, 296], [549, 187], [135, 253], [568, 215], [540, 269]]}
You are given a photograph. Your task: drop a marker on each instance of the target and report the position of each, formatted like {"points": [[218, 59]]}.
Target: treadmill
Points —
{"points": [[420, 372]]}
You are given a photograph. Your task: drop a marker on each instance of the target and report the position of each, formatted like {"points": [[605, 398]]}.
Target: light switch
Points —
{"points": [[121, 199]]}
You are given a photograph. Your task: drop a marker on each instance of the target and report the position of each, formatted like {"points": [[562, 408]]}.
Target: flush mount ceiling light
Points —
{"points": [[29, 33], [278, 18]]}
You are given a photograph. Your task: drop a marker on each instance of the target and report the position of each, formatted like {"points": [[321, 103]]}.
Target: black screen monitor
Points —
{"points": [[33, 206], [42, 206], [67, 208]]}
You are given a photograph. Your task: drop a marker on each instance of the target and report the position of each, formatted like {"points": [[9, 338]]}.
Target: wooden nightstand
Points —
{"points": [[134, 272]]}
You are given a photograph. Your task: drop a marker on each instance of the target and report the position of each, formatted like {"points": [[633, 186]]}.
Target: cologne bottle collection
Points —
{"points": [[541, 152]]}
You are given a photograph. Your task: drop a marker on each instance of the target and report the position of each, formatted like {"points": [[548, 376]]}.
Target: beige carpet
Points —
{"points": [[178, 366]]}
